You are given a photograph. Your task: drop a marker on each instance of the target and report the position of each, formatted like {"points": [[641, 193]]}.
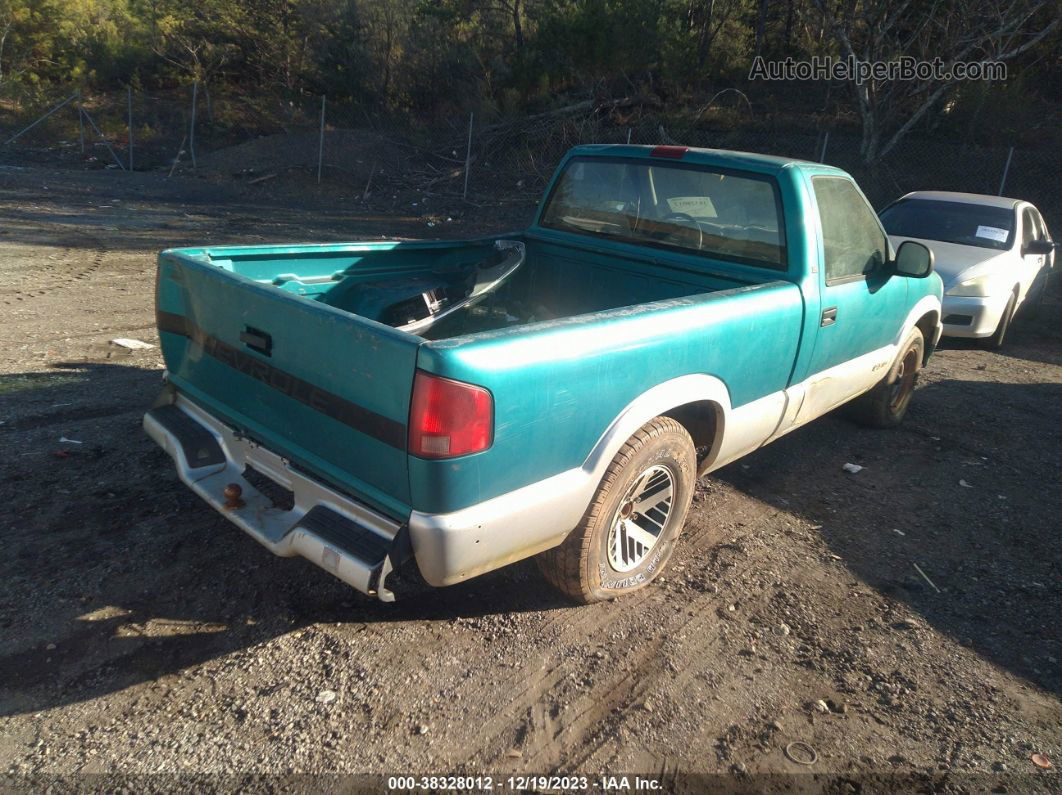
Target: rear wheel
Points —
{"points": [[995, 342], [627, 534], [886, 404]]}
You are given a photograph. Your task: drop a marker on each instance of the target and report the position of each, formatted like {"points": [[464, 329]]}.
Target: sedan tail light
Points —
{"points": [[449, 418]]}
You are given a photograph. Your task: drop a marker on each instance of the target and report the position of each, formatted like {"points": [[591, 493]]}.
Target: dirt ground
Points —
{"points": [[143, 634]]}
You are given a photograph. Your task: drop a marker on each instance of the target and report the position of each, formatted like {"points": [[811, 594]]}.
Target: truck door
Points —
{"points": [[862, 305]]}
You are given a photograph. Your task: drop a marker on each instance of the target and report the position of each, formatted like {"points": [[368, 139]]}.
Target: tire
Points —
{"points": [[616, 549], [886, 404], [995, 342]]}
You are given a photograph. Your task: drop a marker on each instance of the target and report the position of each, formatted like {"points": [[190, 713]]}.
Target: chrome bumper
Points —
{"points": [[342, 536]]}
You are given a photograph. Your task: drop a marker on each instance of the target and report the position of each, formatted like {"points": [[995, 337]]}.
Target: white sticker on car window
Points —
{"points": [[993, 233], [696, 206]]}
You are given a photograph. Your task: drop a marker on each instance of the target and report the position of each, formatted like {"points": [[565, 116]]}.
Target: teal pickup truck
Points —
{"points": [[554, 392]]}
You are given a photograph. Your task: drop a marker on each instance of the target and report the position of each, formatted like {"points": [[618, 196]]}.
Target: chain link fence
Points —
{"points": [[303, 141], [528, 155]]}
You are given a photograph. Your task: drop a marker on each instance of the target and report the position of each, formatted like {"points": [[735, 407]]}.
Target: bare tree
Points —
{"points": [[967, 31], [761, 26], [707, 18], [513, 10], [197, 57], [7, 21]]}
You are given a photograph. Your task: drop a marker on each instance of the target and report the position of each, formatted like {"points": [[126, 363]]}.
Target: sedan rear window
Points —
{"points": [[951, 222], [724, 214]]}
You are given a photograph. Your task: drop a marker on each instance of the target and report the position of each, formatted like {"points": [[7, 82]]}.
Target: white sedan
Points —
{"points": [[993, 254]]}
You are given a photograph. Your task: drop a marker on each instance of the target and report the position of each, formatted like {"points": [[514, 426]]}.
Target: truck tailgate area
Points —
{"points": [[325, 389]]}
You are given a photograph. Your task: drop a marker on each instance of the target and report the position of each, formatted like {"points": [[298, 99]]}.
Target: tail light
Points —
{"points": [[449, 418]]}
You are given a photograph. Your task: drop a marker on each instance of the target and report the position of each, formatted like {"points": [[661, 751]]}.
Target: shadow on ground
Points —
{"points": [[975, 511], [114, 573]]}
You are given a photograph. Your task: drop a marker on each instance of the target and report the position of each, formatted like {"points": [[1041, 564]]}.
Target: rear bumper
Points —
{"points": [[964, 316], [342, 536], [348, 539]]}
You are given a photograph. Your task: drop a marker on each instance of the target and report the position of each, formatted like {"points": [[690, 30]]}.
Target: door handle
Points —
{"points": [[257, 340], [829, 316]]}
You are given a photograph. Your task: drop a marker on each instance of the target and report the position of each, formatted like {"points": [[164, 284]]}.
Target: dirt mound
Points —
{"points": [[356, 152]]}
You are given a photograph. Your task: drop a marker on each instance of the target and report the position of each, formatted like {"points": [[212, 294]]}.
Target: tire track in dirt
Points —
{"points": [[612, 702], [607, 695], [593, 730], [54, 267]]}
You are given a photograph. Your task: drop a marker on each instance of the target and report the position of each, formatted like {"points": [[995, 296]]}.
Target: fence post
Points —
{"points": [[825, 142], [191, 130], [628, 135], [178, 157], [320, 143], [129, 99], [468, 155], [103, 138], [1006, 169], [80, 122]]}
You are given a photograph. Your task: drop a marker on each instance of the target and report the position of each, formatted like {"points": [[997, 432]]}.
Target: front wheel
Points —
{"points": [[886, 404], [628, 533]]}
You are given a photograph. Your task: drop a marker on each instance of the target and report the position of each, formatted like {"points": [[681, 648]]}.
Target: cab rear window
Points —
{"points": [[723, 214]]}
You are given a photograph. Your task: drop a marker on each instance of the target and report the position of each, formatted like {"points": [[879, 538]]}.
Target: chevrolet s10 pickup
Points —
{"points": [[554, 392]]}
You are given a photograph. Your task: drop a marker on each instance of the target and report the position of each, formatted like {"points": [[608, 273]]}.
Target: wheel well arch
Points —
{"points": [[927, 324], [698, 401], [704, 421]]}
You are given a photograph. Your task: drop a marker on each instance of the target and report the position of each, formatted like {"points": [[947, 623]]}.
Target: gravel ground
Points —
{"points": [[142, 634]]}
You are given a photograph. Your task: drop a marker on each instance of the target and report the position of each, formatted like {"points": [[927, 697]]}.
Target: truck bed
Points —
{"points": [[294, 348], [388, 282]]}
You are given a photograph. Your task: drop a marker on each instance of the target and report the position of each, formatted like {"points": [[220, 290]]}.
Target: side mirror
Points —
{"points": [[914, 259], [1038, 248]]}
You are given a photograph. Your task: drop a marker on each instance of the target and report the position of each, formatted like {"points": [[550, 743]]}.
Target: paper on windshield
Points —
{"points": [[993, 233]]}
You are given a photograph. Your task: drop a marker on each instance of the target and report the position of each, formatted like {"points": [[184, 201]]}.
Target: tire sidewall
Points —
{"points": [[916, 341], [669, 450], [875, 408], [1000, 334]]}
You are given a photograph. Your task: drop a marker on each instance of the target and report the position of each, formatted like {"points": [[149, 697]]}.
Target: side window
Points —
{"points": [[853, 243], [1041, 227], [1028, 227], [1038, 224]]}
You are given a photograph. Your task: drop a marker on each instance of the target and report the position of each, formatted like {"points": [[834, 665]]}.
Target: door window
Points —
{"points": [[1041, 227], [1028, 228], [852, 241]]}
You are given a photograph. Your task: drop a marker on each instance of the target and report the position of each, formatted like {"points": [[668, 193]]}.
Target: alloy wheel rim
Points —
{"points": [[640, 520], [905, 378]]}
